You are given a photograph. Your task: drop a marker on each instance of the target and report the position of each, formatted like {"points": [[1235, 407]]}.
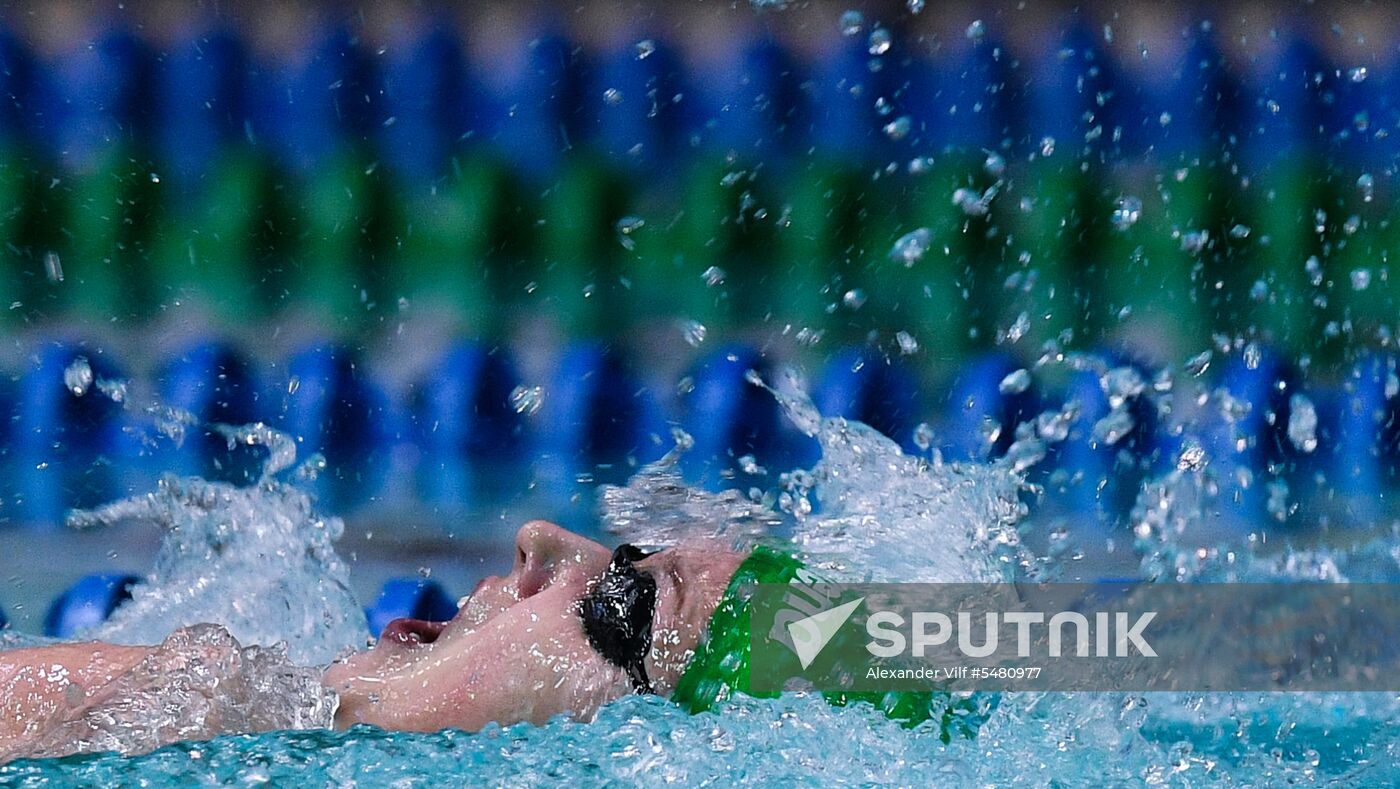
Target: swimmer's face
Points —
{"points": [[517, 649]]}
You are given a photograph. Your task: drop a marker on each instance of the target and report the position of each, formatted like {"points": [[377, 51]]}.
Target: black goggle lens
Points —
{"points": [[617, 615]]}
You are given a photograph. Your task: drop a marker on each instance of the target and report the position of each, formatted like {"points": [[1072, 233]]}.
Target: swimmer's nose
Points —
{"points": [[543, 550]]}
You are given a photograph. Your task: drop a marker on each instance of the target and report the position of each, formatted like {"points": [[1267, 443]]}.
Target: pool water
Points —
{"points": [[1048, 740]]}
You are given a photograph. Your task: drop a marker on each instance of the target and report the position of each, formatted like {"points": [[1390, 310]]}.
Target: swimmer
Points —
{"points": [[572, 627]]}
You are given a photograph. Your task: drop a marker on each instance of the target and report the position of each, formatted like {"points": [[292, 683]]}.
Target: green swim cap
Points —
{"points": [[720, 667]]}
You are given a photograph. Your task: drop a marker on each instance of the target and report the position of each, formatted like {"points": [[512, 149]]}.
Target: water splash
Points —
{"points": [[855, 513], [657, 508], [258, 560]]}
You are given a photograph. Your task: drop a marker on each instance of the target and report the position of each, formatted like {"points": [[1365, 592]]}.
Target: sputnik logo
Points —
{"points": [[811, 635]]}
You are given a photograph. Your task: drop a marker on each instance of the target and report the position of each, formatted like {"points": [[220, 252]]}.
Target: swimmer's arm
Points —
{"points": [[40, 686]]}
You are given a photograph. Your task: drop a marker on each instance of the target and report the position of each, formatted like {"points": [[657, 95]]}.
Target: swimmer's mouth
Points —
{"points": [[412, 632]]}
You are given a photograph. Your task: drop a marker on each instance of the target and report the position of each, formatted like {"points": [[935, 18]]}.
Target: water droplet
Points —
{"points": [[77, 377], [851, 23], [1193, 457], [1239, 231], [1114, 427], [911, 247], [976, 31], [1357, 74], [1121, 384], [626, 226], [527, 399], [923, 436], [915, 6], [853, 299], [1053, 426], [1047, 146], [1367, 184], [53, 267], [612, 96], [995, 165], [694, 332], [1015, 382], [1277, 504], [1194, 242], [1198, 364], [1259, 291], [644, 48], [1392, 385], [1018, 328], [749, 465], [684, 441], [1126, 212], [989, 430], [1313, 267], [972, 203], [898, 128], [880, 41], [1361, 279], [1302, 423], [1253, 355], [114, 390], [907, 343]]}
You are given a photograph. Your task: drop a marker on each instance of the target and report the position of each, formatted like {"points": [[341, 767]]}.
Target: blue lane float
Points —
{"points": [[203, 103], [957, 96], [728, 417], [1281, 77], [542, 99], [98, 94], [981, 418], [331, 406], [411, 598], [1248, 433], [211, 383], [868, 386], [1172, 111], [87, 604], [465, 423], [425, 93], [596, 418], [317, 104], [63, 423], [840, 104], [748, 107], [1097, 470], [634, 106], [1367, 439], [1064, 74]]}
